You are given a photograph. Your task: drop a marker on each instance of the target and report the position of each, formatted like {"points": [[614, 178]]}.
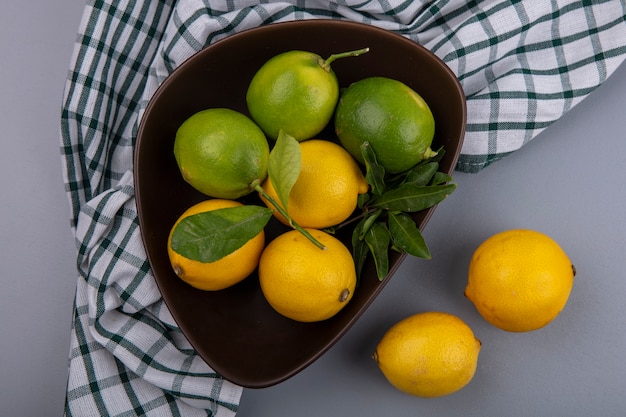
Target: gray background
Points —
{"points": [[569, 183]]}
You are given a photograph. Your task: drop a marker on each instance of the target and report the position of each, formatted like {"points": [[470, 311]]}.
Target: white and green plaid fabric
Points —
{"points": [[522, 64]]}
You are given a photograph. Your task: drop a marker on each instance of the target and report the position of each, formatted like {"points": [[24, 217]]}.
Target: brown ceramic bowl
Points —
{"points": [[235, 330]]}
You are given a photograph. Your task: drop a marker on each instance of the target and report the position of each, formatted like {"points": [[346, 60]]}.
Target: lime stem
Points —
{"points": [[330, 59], [282, 211], [429, 153]]}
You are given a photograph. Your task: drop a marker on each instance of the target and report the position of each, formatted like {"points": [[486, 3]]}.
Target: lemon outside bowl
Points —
{"points": [[235, 330]]}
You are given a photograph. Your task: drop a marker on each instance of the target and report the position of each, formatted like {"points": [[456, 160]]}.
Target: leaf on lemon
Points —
{"points": [[412, 198], [211, 235], [284, 164], [406, 235]]}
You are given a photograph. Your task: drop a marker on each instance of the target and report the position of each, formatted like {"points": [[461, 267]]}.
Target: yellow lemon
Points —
{"points": [[225, 272], [303, 282], [326, 192], [428, 354], [519, 280]]}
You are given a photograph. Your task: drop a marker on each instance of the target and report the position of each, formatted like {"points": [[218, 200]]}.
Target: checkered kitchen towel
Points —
{"points": [[522, 65]]}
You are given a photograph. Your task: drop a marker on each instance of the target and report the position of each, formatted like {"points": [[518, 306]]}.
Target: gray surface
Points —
{"points": [[569, 183], [36, 247]]}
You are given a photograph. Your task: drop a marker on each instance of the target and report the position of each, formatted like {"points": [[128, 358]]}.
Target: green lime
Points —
{"points": [[221, 153], [295, 91], [388, 114]]}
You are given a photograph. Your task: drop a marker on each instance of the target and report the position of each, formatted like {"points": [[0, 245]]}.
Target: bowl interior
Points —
{"points": [[234, 330]]}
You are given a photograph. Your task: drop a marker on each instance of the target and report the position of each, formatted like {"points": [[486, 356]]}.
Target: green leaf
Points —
{"points": [[378, 239], [406, 235], [360, 250], [211, 235], [422, 174], [412, 198], [441, 178], [369, 220], [362, 199], [284, 164], [374, 172]]}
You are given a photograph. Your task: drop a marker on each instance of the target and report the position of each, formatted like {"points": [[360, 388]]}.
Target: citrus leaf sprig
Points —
{"points": [[384, 222], [283, 169], [284, 166], [212, 235]]}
